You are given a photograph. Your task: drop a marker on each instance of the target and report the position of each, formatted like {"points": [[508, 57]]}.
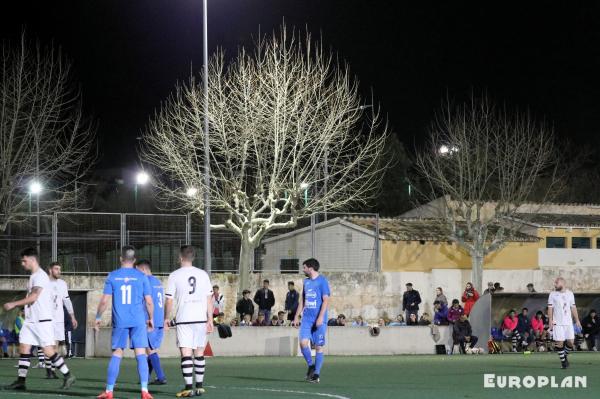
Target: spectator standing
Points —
{"points": [[218, 301], [591, 329], [509, 329], [469, 297], [439, 296], [530, 288], [489, 289], [440, 317], [265, 299], [412, 320], [524, 326], [410, 301], [455, 311], [68, 333], [245, 306], [462, 333], [291, 301], [339, 322]]}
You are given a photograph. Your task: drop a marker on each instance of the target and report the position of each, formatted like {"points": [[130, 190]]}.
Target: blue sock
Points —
{"points": [[142, 366], [113, 372], [307, 355], [155, 361], [319, 362], [5, 346]]}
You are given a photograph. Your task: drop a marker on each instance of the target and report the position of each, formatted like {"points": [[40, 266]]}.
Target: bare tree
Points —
{"points": [[288, 138], [479, 166], [43, 135]]}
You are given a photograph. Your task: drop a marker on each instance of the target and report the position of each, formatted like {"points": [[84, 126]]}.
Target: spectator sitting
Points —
{"points": [[440, 316], [339, 322], [412, 320], [275, 322], [246, 321], [591, 329], [509, 329], [425, 320], [578, 337], [439, 296], [462, 333], [382, 322], [245, 306], [469, 297], [281, 318], [359, 322], [524, 326], [399, 322], [219, 319], [234, 323], [537, 327], [489, 289], [530, 288], [498, 288], [455, 311], [260, 321]]}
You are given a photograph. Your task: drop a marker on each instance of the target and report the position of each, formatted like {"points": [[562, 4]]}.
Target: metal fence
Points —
{"points": [[89, 243]]}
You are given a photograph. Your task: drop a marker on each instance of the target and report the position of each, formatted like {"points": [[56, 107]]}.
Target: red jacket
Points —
{"points": [[509, 324], [537, 325], [469, 301]]}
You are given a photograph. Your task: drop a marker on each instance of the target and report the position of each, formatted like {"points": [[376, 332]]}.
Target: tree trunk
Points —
{"points": [[477, 270], [246, 266]]}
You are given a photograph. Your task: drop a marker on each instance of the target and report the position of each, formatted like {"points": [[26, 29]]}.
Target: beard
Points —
{"points": [[558, 288], [306, 274]]}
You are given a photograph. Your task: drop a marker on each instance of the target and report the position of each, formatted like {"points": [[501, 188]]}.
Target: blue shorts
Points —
{"points": [[155, 337], [316, 335], [137, 335]]}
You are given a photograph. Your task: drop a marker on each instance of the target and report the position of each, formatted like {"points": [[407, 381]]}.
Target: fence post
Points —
{"points": [[123, 229], [313, 241], [188, 229], [377, 249], [54, 237]]}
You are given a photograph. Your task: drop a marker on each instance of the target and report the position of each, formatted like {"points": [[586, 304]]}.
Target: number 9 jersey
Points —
{"points": [[190, 287], [128, 288]]}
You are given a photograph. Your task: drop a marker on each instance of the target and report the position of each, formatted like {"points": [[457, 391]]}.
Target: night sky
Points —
{"points": [[129, 54]]}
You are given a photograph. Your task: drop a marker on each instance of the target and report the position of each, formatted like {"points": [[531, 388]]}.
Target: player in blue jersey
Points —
{"points": [[155, 336], [313, 308], [132, 313]]}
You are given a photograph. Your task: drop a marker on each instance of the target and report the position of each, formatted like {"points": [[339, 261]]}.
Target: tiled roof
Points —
{"points": [[553, 219]]}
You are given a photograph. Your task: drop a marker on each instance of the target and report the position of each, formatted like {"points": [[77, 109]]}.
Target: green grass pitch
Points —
{"points": [[458, 376]]}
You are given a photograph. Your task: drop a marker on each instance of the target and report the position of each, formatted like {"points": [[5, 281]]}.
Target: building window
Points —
{"points": [[580, 242], [555, 242], [289, 265]]}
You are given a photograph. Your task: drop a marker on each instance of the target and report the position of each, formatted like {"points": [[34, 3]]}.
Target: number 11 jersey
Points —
{"points": [[190, 287], [128, 288]]}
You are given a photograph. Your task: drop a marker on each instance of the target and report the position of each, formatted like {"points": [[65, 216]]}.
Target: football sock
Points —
{"points": [[199, 366], [307, 355], [60, 364], [113, 372], [24, 363], [48, 363], [150, 368], [187, 369], [142, 367], [5, 346], [561, 354], [568, 349], [319, 362], [40, 355], [155, 362]]}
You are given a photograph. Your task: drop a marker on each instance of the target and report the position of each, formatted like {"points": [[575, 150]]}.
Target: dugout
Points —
{"points": [[79, 299], [490, 310]]}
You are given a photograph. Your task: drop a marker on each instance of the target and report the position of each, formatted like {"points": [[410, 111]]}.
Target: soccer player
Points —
{"points": [[313, 309], [60, 298], [191, 289], [38, 329], [155, 336], [130, 291], [561, 312]]}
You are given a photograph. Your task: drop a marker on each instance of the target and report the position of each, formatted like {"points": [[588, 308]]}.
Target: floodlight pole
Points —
{"points": [[207, 246]]}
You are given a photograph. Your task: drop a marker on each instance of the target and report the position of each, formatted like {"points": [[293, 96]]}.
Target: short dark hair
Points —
{"points": [[187, 252], [52, 264], [128, 252], [436, 302], [496, 284], [245, 292], [215, 286], [512, 311], [524, 309], [290, 283], [341, 316], [266, 281], [409, 284], [29, 251], [312, 263], [455, 301], [144, 262], [280, 312], [530, 285]]}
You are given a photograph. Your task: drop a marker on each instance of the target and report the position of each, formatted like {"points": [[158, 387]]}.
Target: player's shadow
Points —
{"points": [[239, 377], [61, 393]]}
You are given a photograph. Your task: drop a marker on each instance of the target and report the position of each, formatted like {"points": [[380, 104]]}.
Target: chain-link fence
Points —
{"points": [[87, 242]]}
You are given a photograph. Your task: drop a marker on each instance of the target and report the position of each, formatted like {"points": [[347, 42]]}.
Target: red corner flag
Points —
{"points": [[208, 350]]}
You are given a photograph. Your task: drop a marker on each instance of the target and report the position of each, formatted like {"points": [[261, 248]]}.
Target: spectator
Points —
{"points": [[19, 323], [462, 333], [469, 297], [578, 337], [339, 322], [509, 329], [4, 336], [281, 318], [524, 326], [265, 299], [234, 323], [246, 321], [489, 289], [439, 296], [219, 319], [412, 320], [530, 288], [498, 288], [411, 300], [245, 306], [275, 322], [591, 329], [537, 327], [291, 301], [261, 321], [399, 322], [68, 333], [359, 322], [382, 322], [455, 311], [218, 301], [425, 320], [440, 317]]}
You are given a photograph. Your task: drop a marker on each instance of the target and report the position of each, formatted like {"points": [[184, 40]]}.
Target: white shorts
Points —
{"points": [[59, 331], [191, 335], [561, 333], [37, 334]]}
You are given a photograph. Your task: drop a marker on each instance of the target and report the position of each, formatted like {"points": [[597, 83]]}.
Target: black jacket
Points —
{"points": [[523, 324], [589, 325], [291, 301], [410, 297], [244, 306], [462, 329], [262, 302]]}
